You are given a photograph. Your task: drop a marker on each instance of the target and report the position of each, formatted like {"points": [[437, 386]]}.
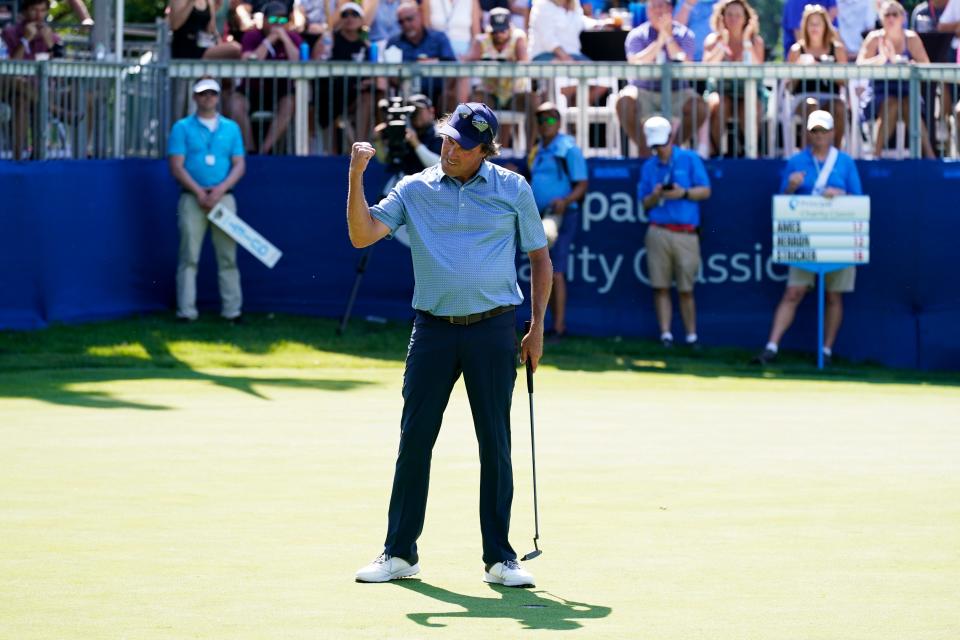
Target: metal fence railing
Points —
{"points": [[88, 109]]}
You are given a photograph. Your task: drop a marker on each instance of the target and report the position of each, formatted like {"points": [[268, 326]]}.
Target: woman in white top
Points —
{"points": [[554, 31], [459, 19], [554, 34]]}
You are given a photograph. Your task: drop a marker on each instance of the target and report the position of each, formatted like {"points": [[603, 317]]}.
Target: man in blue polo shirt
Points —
{"points": [[820, 170], [558, 177], [207, 159], [466, 218], [422, 45], [672, 184]]}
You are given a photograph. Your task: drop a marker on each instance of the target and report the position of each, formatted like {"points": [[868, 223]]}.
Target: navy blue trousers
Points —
{"points": [[486, 354]]}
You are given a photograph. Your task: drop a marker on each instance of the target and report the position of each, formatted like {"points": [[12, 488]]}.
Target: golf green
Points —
{"points": [[236, 501]]}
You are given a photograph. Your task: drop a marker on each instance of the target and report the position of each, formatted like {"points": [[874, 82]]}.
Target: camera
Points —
{"points": [[395, 133]]}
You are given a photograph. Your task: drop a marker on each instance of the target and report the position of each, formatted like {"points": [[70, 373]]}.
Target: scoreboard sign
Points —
{"points": [[814, 229]]}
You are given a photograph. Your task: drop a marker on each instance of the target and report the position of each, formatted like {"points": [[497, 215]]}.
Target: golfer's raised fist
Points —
{"points": [[360, 155]]}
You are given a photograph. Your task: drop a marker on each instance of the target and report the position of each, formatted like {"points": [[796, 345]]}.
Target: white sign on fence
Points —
{"points": [[818, 229], [245, 235]]}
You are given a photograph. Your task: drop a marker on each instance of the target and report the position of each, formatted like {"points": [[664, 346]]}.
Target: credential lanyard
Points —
{"points": [[209, 158], [824, 171]]}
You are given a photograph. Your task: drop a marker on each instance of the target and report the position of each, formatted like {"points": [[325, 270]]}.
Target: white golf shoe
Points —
{"points": [[386, 568], [509, 573]]}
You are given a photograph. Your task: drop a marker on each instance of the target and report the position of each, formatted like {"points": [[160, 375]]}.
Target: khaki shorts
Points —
{"points": [[672, 255], [840, 281], [649, 102]]}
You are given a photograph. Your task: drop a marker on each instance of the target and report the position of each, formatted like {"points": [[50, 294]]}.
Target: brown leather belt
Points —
{"points": [[474, 318]]}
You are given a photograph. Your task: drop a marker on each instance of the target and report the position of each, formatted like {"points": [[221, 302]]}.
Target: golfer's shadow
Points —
{"points": [[523, 605]]}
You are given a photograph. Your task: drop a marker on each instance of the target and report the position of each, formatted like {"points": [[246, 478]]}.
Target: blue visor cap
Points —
{"points": [[470, 124]]}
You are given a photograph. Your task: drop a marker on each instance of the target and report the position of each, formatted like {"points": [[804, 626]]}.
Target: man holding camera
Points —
{"points": [[672, 183], [467, 218], [408, 140]]}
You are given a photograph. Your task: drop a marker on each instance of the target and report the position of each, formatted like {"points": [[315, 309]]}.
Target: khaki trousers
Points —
{"points": [[672, 256], [193, 223]]}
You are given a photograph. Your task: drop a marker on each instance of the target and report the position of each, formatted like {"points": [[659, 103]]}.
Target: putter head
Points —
{"points": [[531, 555]]}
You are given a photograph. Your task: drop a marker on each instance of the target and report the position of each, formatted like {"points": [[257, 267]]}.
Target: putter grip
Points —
{"points": [[526, 330]]}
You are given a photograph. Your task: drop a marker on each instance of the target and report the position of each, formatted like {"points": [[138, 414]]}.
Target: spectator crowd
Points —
{"points": [[709, 116], [701, 119]]}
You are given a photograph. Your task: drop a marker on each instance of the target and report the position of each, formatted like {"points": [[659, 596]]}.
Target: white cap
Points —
{"points": [[657, 131], [207, 84], [351, 6], [820, 119]]}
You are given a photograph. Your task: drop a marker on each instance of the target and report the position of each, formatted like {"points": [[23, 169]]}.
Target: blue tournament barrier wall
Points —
{"points": [[89, 240]]}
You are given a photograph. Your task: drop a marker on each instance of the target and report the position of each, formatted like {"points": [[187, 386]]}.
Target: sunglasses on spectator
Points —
{"points": [[548, 120], [349, 14], [278, 20], [406, 19], [891, 14], [207, 93]]}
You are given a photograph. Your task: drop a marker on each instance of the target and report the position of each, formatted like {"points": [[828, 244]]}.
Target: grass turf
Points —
{"points": [[205, 481]]}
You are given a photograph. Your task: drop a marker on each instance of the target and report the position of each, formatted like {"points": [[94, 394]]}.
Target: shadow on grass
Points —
{"points": [[529, 608], [57, 387], [610, 354], [65, 361], [261, 342]]}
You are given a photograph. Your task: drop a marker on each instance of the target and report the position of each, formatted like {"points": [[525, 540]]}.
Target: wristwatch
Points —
{"points": [[686, 194]]}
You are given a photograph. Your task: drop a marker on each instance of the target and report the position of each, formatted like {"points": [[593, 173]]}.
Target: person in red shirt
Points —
{"points": [[31, 35], [274, 41], [30, 38]]}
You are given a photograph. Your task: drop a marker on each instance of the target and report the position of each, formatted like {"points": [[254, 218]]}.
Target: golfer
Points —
{"points": [[465, 217]]}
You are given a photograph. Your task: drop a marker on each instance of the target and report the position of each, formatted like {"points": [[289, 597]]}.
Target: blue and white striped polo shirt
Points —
{"points": [[464, 236]]}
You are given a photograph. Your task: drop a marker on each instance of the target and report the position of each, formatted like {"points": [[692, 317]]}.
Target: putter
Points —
{"points": [[533, 455]]}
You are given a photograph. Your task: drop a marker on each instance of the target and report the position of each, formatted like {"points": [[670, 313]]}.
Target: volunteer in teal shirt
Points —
{"points": [[206, 158]]}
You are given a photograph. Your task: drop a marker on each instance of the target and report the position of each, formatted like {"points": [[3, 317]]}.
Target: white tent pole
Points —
{"points": [[118, 34]]}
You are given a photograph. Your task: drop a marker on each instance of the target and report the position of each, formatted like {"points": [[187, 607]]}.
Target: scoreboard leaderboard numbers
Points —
{"points": [[817, 226], [825, 230], [833, 256]]}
